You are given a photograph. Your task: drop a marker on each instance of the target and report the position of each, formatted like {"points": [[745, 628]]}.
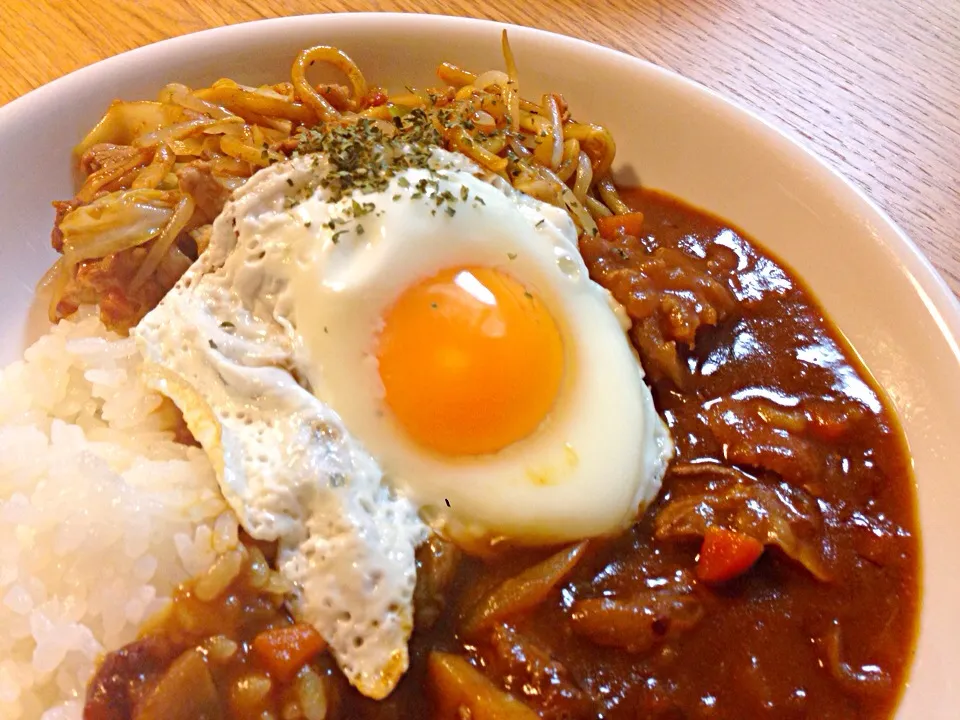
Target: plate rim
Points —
{"points": [[938, 299]]}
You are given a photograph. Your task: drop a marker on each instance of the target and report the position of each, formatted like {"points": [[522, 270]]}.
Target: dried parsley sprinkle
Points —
{"points": [[527, 294], [290, 182], [512, 256], [540, 222], [364, 159], [366, 156], [335, 238]]}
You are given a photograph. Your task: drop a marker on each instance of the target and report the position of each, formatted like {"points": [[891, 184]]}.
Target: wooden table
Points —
{"points": [[873, 87]]}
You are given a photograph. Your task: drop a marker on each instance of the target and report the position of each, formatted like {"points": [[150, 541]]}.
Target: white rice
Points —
{"points": [[101, 514]]}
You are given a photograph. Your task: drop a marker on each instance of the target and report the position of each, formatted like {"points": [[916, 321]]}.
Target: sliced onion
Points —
{"points": [[266, 91], [173, 132], [484, 121], [241, 151], [525, 591], [181, 95], [231, 126], [489, 78], [191, 146], [152, 175]]}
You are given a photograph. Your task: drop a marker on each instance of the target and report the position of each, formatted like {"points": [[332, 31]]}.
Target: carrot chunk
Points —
{"points": [[285, 650], [628, 223], [726, 554]]}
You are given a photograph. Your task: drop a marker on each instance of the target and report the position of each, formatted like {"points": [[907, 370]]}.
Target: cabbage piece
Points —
{"points": [[115, 222], [124, 122]]}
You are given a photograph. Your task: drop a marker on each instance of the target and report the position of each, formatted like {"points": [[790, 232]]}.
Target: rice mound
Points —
{"points": [[102, 514]]}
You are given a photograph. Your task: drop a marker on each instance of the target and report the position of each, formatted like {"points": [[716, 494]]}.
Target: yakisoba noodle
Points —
{"points": [[123, 237]]}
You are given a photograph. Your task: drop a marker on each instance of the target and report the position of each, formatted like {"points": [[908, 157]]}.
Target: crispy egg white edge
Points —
{"points": [[284, 461]]}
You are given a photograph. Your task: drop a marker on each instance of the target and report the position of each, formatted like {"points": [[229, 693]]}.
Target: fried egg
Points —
{"points": [[464, 344], [427, 352]]}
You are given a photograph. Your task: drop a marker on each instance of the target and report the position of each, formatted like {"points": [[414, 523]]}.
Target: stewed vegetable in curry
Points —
{"points": [[776, 576], [774, 572]]}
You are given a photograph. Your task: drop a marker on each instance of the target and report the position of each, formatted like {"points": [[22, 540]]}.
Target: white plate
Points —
{"points": [[673, 134]]}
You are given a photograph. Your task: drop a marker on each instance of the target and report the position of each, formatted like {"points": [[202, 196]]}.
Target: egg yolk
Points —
{"points": [[470, 361]]}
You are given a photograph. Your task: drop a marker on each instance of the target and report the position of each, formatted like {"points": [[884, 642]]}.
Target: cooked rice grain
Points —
{"points": [[102, 514]]}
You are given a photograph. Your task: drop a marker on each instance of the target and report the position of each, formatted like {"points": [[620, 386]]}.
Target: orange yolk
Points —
{"points": [[471, 362]]}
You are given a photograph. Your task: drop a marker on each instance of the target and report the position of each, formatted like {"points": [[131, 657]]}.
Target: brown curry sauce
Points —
{"points": [[775, 421]]}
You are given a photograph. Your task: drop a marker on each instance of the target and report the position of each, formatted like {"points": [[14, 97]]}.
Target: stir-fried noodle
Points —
{"points": [[158, 172]]}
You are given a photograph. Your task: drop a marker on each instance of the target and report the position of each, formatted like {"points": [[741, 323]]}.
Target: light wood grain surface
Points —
{"points": [[873, 87]]}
